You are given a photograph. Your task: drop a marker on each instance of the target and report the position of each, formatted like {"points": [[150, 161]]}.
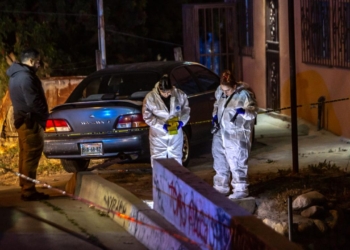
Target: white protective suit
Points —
{"points": [[232, 143], [156, 114]]}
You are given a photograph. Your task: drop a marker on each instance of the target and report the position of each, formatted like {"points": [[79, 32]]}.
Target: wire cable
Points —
{"points": [[144, 38], [47, 13]]}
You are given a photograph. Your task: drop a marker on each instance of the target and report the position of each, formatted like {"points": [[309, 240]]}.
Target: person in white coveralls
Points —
{"points": [[163, 108], [234, 115]]}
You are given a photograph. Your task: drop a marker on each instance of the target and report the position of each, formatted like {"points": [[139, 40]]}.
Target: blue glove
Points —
{"points": [[240, 111], [214, 120], [165, 127], [181, 124]]}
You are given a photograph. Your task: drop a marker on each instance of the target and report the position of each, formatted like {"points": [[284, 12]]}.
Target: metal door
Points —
{"points": [[272, 56], [211, 36]]}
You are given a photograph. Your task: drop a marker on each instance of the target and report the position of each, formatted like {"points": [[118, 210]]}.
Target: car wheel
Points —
{"points": [[186, 149], [75, 165]]}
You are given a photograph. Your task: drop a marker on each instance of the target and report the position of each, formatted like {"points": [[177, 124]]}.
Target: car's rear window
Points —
{"points": [[114, 86]]}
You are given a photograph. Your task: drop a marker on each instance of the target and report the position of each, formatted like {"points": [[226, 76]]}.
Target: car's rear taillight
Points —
{"points": [[57, 125], [130, 121]]}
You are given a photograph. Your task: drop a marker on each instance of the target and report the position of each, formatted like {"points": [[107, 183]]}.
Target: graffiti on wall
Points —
{"points": [[199, 219], [157, 184], [152, 237], [189, 212], [114, 204]]}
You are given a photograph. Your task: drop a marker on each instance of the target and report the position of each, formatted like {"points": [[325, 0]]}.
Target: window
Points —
{"points": [[325, 29], [246, 31], [315, 29], [207, 80], [182, 79], [87, 88], [136, 82], [212, 36], [121, 85], [341, 33]]}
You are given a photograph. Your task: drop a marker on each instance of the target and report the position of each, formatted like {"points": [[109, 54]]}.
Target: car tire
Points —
{"points": [[186, 148], [75, 165]]}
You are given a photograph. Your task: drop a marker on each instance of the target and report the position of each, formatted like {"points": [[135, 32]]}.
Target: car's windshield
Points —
{"points": [[133, 85]]}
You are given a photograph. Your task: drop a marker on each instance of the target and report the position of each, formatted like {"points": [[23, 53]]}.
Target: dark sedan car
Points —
{"points": [[102, 117]]}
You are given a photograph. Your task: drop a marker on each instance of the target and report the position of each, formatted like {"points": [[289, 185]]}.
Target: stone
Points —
{"points": [[322, 227], [307, 190], [313, 212], [306, 227], [269, 222], [303, 225], [306, 200], [333, 219], [279, 227], [265, 208], [247, 203]]}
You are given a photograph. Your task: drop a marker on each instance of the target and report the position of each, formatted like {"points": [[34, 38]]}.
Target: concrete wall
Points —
{"points": [[57, 90], [141, 221], [313, 81], [254, 68], [206, 216], [187, 214]]}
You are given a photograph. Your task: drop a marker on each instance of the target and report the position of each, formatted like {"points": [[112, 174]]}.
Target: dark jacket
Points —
{"points": [[27, 95]]}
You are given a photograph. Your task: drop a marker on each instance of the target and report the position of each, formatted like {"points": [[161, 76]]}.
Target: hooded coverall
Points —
{"points": [[232, 143], [156, 114]]}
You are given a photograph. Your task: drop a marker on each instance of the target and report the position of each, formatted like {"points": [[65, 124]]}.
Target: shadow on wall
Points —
{"points": [[310, 87], [57, 90]]}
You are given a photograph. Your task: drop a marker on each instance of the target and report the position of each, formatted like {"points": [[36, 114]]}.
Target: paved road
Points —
{"points": [[59, 223]]}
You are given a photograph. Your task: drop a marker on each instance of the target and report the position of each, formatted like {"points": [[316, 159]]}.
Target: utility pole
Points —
{"points": [[101, 62], [293, 88]]}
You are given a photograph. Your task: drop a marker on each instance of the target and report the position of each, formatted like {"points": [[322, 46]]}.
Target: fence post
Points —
{"points": [[320, 112]]}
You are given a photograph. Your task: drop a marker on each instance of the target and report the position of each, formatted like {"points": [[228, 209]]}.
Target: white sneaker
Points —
{"points": [[221, 190], [238, 195]]}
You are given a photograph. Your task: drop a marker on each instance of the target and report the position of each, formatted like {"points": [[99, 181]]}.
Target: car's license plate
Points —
{"points": [[91, 148]]}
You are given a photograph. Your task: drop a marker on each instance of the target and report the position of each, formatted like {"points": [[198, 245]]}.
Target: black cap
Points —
{"points": [[164, 83]]}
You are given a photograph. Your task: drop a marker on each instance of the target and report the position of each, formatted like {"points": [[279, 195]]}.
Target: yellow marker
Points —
{"points": [[173, 122]]}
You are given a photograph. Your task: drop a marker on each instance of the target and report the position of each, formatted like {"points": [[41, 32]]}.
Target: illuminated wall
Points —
{"points": [[313, 81]]}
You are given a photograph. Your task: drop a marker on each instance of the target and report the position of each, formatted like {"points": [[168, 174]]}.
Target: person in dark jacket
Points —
{"points": [[30, 112]]}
